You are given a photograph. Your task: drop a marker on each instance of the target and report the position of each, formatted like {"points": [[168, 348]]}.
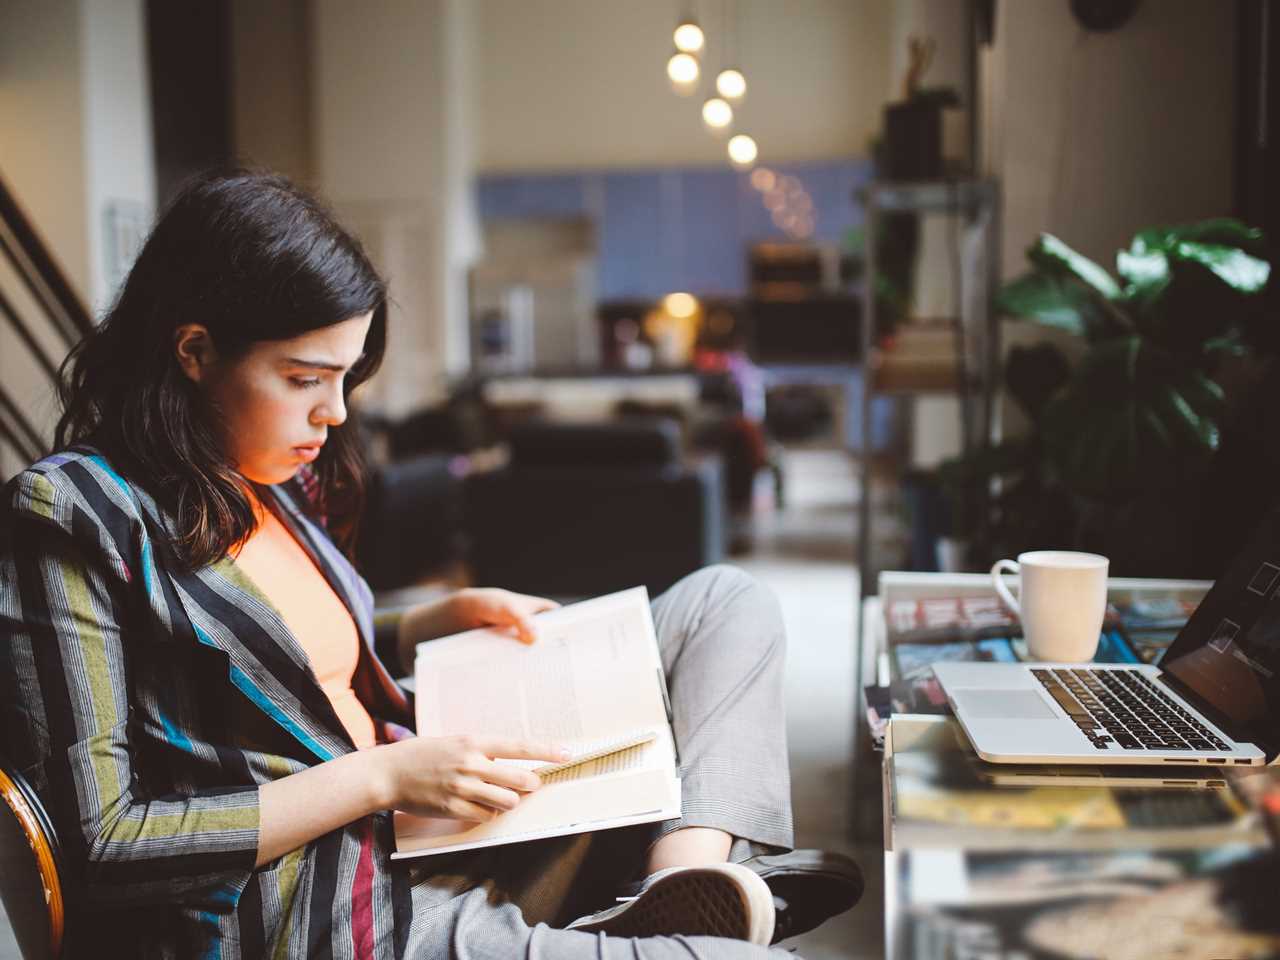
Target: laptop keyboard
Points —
{"points": [[1122, 708]]}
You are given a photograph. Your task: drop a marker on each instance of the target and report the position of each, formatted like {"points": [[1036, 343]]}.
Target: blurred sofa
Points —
{"points": [[586, 508]]}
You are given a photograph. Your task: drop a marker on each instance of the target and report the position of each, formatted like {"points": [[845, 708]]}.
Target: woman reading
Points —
{"points": [[187, 666]]}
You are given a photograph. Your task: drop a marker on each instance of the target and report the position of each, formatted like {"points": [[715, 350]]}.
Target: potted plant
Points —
{"points": [[1124, 445]]}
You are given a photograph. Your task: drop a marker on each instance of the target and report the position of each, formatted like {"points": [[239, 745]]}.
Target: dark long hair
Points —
{"points": [[253, 258]]}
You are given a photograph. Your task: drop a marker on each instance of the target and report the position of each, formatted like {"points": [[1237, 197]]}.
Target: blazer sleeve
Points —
{"points": [[65, 602]]}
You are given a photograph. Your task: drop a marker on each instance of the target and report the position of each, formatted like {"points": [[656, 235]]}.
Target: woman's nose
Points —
{"points": [[333, 411]]}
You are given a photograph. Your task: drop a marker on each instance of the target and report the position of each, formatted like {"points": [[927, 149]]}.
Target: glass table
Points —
{"points": [[994, 862]]}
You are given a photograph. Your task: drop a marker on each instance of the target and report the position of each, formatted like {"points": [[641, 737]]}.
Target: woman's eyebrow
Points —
{"points": [[318, 364]]}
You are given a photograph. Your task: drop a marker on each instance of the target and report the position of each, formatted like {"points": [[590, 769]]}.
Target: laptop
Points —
{"points": [[1214, 698]]}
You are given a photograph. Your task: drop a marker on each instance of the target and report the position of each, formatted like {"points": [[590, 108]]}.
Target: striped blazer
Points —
{"points": [[146, 704]]}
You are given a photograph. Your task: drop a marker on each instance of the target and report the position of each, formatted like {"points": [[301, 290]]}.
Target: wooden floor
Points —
{"points": [[805, 554]]}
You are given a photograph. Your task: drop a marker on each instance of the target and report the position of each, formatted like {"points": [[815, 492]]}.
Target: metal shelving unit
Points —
{"points": [[975, 205]]}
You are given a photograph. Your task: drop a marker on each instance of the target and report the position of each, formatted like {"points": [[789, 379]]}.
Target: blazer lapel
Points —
{"points": [[340, 575], [266, 663], [351, 588]]}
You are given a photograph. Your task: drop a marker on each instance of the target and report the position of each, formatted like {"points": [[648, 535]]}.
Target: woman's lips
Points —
{"points": [[307, 453]]}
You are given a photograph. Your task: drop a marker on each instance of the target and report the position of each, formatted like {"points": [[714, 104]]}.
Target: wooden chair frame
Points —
{"points": [[37, 827]]}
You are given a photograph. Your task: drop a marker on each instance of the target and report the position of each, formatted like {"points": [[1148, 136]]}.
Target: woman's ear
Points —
{"points": [[194, 349]]}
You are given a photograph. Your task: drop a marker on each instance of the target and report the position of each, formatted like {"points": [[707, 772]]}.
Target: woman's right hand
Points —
{"points": [[458, 777]]}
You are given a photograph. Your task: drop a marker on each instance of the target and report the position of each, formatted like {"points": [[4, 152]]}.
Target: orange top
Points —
{"points": [[314, 614]]}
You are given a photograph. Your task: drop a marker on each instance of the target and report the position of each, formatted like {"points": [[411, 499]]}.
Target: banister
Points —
{"points": [[39, 271]]}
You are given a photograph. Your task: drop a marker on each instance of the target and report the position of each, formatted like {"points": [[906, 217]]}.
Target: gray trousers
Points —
{"points": [[723, 649]]}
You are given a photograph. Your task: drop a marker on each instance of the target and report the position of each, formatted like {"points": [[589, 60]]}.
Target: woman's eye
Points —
{"points": [[303, 383]]}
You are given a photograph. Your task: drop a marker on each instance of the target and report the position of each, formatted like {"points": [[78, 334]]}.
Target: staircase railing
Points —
{"points": [[56, 304]]}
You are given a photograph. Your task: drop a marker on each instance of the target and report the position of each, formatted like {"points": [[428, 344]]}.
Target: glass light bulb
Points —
{"points": [[742, 150], [717, 114], [680, 305], [682, 68], [689, 37], [731, 84]]}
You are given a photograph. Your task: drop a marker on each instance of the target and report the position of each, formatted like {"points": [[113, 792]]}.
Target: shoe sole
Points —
{"points": [[720, 900]]}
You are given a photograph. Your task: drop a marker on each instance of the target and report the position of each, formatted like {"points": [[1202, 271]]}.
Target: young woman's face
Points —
{"points": [[277, 402]]}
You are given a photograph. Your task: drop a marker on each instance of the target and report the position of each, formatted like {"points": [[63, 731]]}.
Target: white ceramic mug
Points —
{"points": [[1062, 597]]}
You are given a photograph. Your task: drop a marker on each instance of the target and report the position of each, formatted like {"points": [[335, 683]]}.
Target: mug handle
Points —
{"points": [[1002, 591]]}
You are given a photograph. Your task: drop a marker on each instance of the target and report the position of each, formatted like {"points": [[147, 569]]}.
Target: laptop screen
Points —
{"points": [[1228, 654]]}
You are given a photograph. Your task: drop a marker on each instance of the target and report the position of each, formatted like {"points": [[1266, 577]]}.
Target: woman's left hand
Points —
{"points": [[493, 607]]}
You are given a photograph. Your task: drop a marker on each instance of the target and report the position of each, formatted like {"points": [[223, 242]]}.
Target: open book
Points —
{"points": [[592, 681]]}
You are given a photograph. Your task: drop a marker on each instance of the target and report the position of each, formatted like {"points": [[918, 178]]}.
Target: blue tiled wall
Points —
{"points": [[675, 229]]}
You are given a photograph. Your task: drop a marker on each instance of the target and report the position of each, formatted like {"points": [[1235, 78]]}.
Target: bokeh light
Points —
{"points": [[683, 70], [689, 37], [680, 305], [731, 84], [717, 114], [742, 150]]}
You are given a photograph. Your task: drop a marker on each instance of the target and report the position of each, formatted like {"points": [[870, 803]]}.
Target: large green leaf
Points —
{"points": [[1054, 257], [1130, 418], [1189, 292], [1049, 300], [1241, 272], [1224, 231], [1146, 274], [1224, 247]]}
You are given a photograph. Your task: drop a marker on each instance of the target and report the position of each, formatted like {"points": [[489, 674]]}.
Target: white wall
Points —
{"points": [[75, 140], [271, 85], [42, 124], [1095, 135], [392, 154], [582, 83], [119, 156]]}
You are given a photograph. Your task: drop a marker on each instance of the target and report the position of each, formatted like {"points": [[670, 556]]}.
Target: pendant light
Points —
{"points": [[689, 37], [717, 114], [731, 84], [683, 71], [742, 150]]}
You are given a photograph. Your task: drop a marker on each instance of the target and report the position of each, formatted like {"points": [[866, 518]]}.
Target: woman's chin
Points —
{"points": [[269, 475]]}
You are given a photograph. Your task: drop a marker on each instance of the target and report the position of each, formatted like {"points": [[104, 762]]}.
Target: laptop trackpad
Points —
{"points": [[1003, 704]]}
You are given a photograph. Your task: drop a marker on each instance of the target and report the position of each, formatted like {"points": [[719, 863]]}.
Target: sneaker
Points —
{"points": [[718, 900], [808, 887]]}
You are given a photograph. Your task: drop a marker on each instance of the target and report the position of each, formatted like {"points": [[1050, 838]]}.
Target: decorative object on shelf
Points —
{"points": [[1150, 442], [913, 128], [672, 328]]}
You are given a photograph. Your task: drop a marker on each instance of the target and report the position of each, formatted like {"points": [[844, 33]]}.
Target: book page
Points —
{"points": [[586, 676], [573, 806], [593, 678], [633, 785]]}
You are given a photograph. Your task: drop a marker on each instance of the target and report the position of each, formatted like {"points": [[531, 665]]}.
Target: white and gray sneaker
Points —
{"points": [[718, 900]]}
